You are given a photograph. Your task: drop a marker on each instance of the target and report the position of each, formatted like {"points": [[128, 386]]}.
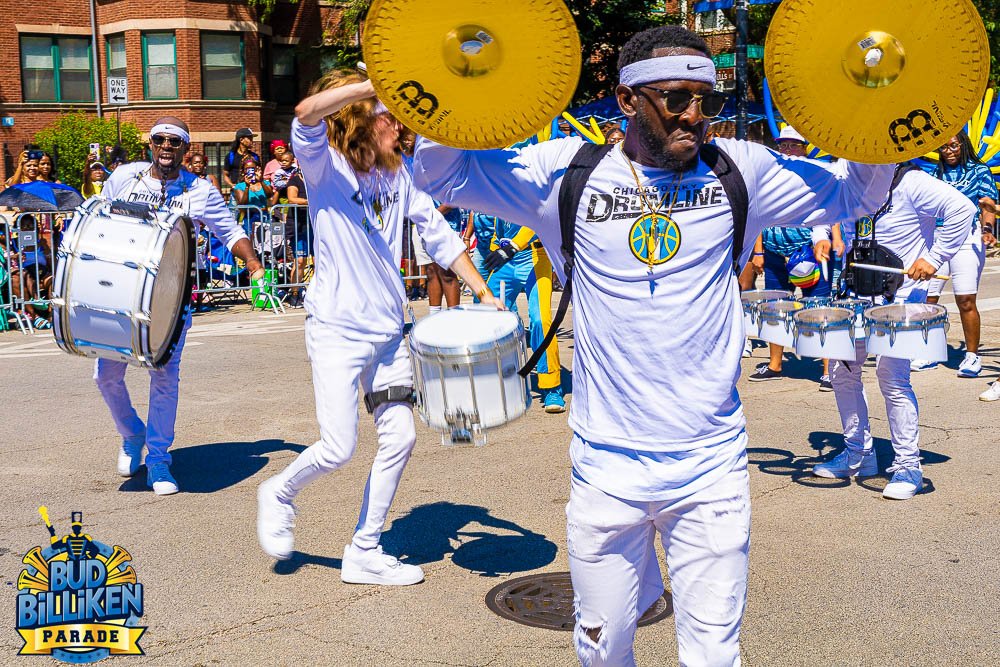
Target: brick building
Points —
{"points": [[211, 63]]}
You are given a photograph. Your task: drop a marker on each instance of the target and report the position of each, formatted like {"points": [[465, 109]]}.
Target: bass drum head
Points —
{"points": [[171, 291]]}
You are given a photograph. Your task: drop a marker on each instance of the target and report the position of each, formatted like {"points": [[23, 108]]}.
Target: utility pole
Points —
{"points": [[742, 28], [96, 59]]}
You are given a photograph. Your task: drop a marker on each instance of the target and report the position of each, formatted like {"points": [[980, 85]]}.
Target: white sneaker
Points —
{"points": [[848, 464], [747, 349], [971, 366], [275, 520], [991, 394], [374, 567], [130, 456], [918, 365], [905, 483]]}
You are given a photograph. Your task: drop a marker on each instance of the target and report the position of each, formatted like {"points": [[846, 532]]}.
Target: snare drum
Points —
{"points": [[775, 322], [908, 331], [122, 286], [858, 307], [465, 363], [752, 299], [825, 333], [815, 301]]}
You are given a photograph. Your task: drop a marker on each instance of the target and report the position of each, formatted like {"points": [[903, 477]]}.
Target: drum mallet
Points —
{"points": [[889, 269]]}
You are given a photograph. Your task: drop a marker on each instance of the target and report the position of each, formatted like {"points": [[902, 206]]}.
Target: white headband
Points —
{"points": [[669, 68], [167, 128]]}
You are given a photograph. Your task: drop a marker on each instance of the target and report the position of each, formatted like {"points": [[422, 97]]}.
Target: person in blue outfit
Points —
{"points": [[517, 260]]}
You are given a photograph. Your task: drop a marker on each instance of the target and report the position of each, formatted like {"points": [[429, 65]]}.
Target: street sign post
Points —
{"points": [[117, 90]]}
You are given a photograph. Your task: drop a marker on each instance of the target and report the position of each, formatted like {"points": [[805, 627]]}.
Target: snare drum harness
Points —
{"points": [[571, 190], [865, 282]]}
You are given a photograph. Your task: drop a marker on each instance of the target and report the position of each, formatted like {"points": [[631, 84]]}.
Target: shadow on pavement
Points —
{"points": [[774, 461], [211, 468], [428, 533], [298, 559]]}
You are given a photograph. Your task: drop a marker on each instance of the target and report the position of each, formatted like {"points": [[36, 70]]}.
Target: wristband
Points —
{"points": [[483, 292], [758, 254]]}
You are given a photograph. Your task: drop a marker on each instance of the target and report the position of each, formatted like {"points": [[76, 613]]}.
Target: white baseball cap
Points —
{"points": [[789, 133]]}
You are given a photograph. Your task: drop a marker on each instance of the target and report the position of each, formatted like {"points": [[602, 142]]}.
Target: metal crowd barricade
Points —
{"points": [[33, 240]]}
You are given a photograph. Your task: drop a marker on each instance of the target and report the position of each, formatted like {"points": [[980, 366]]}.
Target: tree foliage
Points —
{"points": [[604, 28], [68, 140], [264, 8], [989, 10]]}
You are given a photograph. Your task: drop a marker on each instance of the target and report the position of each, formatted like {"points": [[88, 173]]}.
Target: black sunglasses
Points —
{"points": [[677, 102], [158, 139]]}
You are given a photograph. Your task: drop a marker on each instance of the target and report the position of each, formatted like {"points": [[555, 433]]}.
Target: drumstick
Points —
{"points": [[889, 269], [822, 266]]}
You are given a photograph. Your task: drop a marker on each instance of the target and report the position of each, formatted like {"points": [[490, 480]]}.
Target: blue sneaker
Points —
{"points": [[905, 483], [553, 401], [158, 477], [130, 455]]}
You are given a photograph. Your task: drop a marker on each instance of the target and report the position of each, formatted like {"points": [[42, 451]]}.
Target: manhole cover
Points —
{"points": [[546, 601]]}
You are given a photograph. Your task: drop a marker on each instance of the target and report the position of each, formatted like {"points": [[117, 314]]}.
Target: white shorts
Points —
{"points": [[965, 269], [419, 251]]}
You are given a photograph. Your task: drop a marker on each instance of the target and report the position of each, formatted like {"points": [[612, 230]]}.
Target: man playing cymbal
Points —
{"points": [[659, 444]]}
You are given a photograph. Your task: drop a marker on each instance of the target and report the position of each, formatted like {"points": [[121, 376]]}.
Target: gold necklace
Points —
{"points": [[653, 235]]}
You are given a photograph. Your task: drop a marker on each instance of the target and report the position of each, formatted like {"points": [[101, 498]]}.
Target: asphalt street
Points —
{"points": [[838, 575]]}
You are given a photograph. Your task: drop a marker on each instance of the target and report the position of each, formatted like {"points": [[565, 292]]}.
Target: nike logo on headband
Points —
{"points": [[696, 66]]}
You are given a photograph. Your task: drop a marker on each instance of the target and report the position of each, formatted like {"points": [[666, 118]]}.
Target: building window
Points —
{"points": [[222, 75], [286, 85], [215, 157], [159, 65], [116, 56], [712, 21], [56, 69]]}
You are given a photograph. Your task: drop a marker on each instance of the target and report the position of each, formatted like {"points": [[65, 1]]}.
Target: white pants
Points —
{"points": [[339, 365], [158, 431], [616, 576], [900, 403], [965, 269]]}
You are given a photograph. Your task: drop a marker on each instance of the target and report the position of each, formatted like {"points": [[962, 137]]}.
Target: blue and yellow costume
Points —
{"points": [[524, 266]]}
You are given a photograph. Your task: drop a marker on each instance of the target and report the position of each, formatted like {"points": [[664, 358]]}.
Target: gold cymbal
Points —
{"points": [[877, 82], [476, 73]]}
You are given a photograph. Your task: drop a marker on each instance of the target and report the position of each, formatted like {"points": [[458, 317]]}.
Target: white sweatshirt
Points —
{"points": [[356, 285], [187, 194], [657, 355], [908, 227]]}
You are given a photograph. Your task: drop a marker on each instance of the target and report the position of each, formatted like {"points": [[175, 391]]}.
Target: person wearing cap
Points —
{"points": [[785, 257], [163, 184], [241, 148], [94, 176], [659, 442], [360, 200], [278, 147]]}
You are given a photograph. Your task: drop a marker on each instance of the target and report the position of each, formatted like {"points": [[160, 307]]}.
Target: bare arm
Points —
{"points": [[315, 108], [465, 269], [293, 196]]}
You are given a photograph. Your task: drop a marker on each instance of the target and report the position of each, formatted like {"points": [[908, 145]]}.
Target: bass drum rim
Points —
{"points": [[162, 356]]}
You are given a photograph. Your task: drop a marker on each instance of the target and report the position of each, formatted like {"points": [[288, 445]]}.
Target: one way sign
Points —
{"points": [[117, 90]]}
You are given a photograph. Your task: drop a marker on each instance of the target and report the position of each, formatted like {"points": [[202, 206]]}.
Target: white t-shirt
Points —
{"points": [[657, 354], [187, 194], [908, 227], [358, 226]]}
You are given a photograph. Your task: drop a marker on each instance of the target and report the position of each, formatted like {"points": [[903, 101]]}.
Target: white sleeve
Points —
{"points": [[932, 198], [789, 191], [116, 181], [219, 218], [440, 240], [320, 164], [821, 233], [513, 184]]}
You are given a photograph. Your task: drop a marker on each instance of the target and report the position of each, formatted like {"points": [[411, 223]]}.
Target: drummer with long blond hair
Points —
{"points": [[360, 200]]}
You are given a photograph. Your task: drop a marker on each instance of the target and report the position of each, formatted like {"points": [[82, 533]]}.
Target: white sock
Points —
{"points": [[435, 309]]}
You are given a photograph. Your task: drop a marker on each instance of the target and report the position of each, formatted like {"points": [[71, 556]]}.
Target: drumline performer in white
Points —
{"points": [[163, 183], [659, 443], [904, 225], [359, 201]]}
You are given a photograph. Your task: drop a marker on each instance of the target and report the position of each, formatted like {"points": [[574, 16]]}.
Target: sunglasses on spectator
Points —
{"points": [[951, 148], [175, 142], [677, 102]]}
